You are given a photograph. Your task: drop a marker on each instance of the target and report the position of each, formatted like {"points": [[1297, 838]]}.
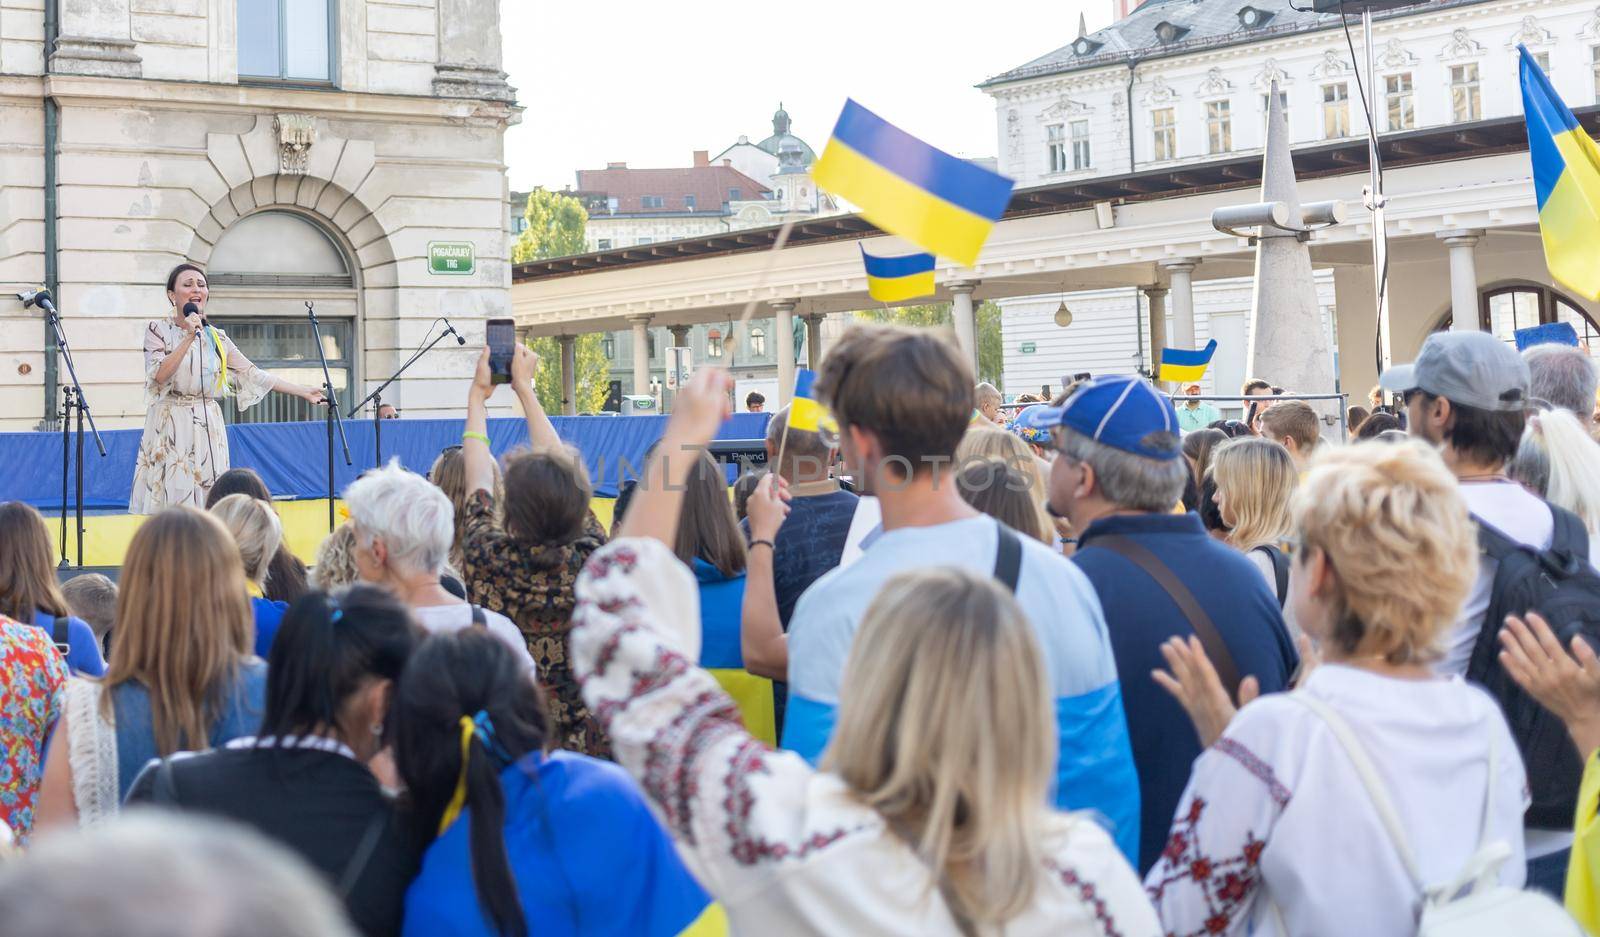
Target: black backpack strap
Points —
{"points": [[1280, 570], [1571, 537], [1494, 543], [164, 792], [1210, 639], [61, 633], [363, 854], [479, 619], [1008, 558]]}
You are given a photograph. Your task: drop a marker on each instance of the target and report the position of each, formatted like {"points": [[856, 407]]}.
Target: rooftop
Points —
{"points": [[1161, 28], [669, 189]]}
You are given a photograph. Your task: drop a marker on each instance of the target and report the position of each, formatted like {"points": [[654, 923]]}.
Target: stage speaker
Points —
{"points": [[63, 573]]}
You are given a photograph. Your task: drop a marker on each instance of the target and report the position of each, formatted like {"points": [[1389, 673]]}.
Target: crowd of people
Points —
{"points": [[1104, 664]]}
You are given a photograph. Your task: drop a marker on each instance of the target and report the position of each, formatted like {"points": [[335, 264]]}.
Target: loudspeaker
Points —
{"points": [[63, 573], [613, 402]]}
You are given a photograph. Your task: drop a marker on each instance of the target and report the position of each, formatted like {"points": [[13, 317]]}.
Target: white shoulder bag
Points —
{"points": [[1475, 904]]}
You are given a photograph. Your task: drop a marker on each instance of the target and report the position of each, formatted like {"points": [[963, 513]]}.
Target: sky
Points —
{"points": [[647, 82]]}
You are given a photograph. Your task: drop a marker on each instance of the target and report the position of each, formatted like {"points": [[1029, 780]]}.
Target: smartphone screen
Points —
{"points": [[502, 338]]}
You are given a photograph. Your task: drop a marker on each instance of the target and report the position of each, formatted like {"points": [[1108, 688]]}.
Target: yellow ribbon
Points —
{"points": [[459, 798], [222, 356]]}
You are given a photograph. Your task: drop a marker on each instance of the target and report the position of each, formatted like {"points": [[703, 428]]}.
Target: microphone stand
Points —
{"points": [[72, 399], [376, 397], [331, 401]]}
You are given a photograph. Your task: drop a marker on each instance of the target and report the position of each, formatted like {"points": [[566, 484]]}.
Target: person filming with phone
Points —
{"points": [[189, 366]]}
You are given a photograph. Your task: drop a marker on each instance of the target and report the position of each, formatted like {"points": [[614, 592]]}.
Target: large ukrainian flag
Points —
{"points": [[1566, 180], [938, 202], [897, 279]]}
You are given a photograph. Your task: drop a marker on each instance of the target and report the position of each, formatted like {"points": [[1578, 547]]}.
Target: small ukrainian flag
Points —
{"points": [[1181, 364], [1566, 180], [805, 413], [896, 279], [942, 204]]}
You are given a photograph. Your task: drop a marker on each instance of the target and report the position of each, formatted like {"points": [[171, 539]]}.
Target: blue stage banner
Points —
{"points": [[292, 458]]}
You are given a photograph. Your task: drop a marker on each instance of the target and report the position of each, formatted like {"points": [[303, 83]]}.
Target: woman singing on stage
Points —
{"points": [[188, 367]]}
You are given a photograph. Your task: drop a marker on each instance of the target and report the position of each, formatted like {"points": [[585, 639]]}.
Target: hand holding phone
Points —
{"points": [[502, 340]]}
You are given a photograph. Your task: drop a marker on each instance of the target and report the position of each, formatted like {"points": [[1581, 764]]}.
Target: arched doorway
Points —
{"points": [[263, 270], [1505, 307]]}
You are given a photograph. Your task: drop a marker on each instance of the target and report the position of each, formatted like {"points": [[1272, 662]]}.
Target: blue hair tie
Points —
{"points": [[483, 728]]}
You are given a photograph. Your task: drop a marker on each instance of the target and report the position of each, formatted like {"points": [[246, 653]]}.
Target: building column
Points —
{"points": [[783, 337], [1463, 278], [1181, 273], [965, 323], [641, 353], [814, 340], [569, 374], [1156, 296]]}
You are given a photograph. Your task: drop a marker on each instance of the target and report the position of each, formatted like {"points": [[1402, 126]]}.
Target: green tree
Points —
{"points": [[555, 227], [991, 347], [593, 373]]}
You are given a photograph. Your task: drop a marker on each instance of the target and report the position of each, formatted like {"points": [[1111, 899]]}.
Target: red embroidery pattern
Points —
{"points": [[747, 762], [601, 566], [1227, 885], [1253, 764], [1089, 896], [674, 751]]}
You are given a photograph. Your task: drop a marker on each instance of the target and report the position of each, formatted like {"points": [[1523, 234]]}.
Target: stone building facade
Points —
{"points": [[1177, 84], [310, 151]]}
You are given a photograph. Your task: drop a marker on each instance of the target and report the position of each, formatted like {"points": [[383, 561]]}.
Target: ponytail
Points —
{"points": [[465, 711], [1572, 461]]}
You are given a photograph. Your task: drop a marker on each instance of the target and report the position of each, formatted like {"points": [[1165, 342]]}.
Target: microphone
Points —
{"points": [[39, 297], [190, 309], [452, 330]]}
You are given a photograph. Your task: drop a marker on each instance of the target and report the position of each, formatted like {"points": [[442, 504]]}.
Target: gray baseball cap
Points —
{"points": [[1471, 368]]}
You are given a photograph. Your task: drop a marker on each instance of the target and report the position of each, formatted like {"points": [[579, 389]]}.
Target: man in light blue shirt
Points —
{"points": [[902, 398], [1196, 414]]}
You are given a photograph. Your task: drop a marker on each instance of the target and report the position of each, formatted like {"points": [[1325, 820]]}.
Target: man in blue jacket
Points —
{"points": [[902, 398], [1118, 474]]}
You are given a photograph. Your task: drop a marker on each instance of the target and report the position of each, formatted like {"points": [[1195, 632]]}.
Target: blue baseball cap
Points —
{"points": [[1117, 410], [1021, 427]]}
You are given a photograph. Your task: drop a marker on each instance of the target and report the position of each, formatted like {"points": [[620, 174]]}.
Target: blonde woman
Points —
{"points": [[923, 820], [336, 561], [1558, 461], [182, 677], [1277, 833], [1255, 478], [982, 443], [258, 532]]}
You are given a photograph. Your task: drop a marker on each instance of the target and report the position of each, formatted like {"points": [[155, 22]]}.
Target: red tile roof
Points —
{"points": [[711, 186]]}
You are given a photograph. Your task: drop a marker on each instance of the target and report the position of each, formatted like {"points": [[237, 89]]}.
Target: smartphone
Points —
{"points": [[502, 340]]}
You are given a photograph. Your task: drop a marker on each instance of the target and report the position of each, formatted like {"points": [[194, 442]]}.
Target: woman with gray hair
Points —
{"points": [[402, 527]]}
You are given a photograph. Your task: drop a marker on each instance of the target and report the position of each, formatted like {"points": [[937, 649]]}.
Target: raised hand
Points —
{"points": [[768, 506], [524, 368], [482, 381], [1566, 684], [1194, 683]]}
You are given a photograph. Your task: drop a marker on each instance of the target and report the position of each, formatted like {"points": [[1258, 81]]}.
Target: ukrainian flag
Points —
{"points": [[1566, 179], [1181, 364], [804, 410], [942, 204], [896, 279]]}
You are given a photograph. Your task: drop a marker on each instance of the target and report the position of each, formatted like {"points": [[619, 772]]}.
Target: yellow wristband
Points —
{"points": [[469, 434]]}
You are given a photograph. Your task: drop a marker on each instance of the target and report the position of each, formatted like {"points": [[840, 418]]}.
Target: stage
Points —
{"points": [[292, 458]]}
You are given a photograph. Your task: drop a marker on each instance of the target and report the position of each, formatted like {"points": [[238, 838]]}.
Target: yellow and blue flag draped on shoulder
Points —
{"points": [[896, 279], [804, 410], [914, 191], [1182, 364], [1566, 180]]}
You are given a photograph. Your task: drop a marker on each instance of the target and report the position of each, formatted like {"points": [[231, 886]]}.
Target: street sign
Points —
{"points": [[1029, 348], [451, 258]]}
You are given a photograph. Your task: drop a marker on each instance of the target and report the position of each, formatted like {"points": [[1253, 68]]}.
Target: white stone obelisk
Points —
{"points": [[1289, 345]]}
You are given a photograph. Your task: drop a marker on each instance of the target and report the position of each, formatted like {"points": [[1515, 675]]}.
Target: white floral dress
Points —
{"points": [[185, 443]]}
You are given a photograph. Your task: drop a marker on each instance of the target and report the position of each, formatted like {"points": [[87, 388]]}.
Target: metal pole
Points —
{"points": [[78, 502], [330, 415], [66, 459], [1375, 200], [377, 431]]}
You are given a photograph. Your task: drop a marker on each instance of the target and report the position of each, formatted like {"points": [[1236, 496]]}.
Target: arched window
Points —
{"points": [[261, 273], [758, 342], [1504, 309]]}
